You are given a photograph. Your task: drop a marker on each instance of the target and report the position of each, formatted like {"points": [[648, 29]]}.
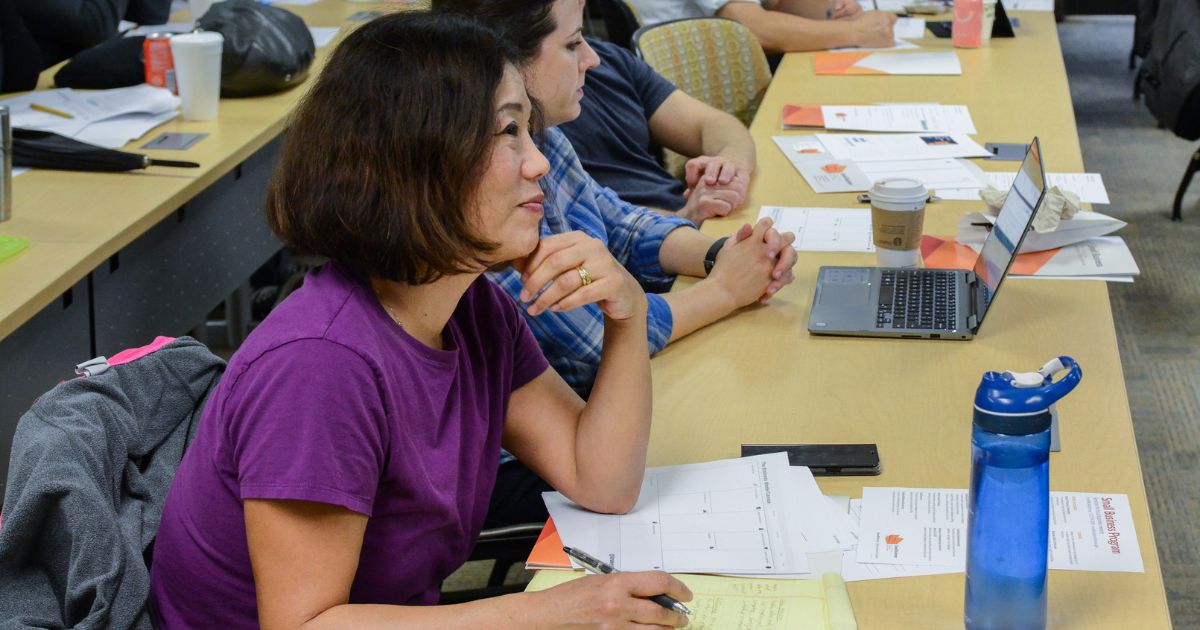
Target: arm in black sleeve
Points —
{"points": [[65, 27]]}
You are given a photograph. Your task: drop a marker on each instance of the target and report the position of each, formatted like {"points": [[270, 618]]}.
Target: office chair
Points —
{"points": [[1192, 167], [619, 18], [92, 461], [507, 546], [715, 60]]}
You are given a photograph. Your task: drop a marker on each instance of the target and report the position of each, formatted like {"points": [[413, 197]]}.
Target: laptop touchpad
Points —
{"points": [[845, 286]]}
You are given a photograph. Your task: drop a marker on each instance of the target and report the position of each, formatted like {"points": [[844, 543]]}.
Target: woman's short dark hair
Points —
{"points": [[384, 155], [525, 23]]}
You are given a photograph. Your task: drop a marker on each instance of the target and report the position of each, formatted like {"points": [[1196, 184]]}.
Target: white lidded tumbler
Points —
{"points": [[897, 219], [198, 73]]}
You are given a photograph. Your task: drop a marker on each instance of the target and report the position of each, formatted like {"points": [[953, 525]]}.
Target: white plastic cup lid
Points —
{"points": [[198, 39], [899, 190]]}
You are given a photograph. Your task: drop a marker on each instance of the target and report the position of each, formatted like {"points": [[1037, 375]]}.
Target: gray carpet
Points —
{"points": [[1157, 317]]}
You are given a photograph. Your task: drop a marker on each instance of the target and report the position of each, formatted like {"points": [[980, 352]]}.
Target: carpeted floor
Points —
{"points": [[1157, 317]]}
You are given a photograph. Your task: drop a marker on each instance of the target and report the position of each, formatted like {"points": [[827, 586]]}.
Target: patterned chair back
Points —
{"points": [[715, 60]]}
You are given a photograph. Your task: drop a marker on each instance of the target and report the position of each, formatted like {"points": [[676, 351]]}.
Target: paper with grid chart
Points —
{"points": [[725, 516], [824, 229]]}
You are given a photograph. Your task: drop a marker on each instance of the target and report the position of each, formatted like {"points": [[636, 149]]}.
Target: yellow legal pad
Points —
{"points": [[729, 603]]}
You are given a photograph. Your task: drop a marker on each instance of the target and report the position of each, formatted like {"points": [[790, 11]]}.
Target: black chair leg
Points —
{"points": [[1193, 166]]}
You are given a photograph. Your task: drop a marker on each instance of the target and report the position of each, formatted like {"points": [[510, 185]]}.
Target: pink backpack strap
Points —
{"points": [[98, 365], [133, 354]]}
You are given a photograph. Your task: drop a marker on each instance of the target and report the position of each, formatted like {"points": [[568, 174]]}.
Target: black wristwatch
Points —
{"points": [[710, 258]]}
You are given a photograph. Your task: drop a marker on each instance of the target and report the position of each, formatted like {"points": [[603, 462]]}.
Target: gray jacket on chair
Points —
{"points": [[91, 465]]}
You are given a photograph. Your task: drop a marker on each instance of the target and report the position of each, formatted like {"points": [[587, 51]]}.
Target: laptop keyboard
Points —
{"points": [[917, 298]]}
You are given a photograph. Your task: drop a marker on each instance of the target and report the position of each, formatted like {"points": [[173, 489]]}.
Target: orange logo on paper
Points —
{"points": [[834, 168], [893, 539], [809, 150]]}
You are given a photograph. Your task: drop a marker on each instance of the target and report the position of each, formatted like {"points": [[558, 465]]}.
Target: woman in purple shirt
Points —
{"points": [[343, 466]]}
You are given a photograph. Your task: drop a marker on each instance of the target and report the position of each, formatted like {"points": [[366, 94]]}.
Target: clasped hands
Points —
{"points": [[574, 269], [716, 186]]}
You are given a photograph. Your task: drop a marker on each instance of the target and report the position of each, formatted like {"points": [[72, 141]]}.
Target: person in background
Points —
{"points": [[629, 110], [785, 25], [747, 268], [61, 28], [344, 462]]}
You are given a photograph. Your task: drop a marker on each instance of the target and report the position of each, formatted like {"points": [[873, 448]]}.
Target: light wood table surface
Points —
{"points": [[760, 377], [75, 221]]}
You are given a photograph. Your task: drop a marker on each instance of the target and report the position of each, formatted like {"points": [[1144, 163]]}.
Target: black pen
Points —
{"points": [[599, 566]]}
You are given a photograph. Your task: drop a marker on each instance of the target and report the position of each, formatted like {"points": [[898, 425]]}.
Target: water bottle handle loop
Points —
{"points": [[1064, 385]]}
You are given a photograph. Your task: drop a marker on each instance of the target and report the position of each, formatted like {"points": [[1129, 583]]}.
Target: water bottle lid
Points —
{"points": [[1018, 403]]}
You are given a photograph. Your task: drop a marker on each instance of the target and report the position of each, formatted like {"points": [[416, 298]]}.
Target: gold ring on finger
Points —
{"points": [[584, 275]]}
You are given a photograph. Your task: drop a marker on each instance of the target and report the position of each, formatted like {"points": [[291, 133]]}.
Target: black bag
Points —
{"points": [[45, 149], [267, 49], [1171, 72]]}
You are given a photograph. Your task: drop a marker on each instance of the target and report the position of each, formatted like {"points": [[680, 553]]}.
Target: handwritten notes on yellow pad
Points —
{"points": [[730, 603]]}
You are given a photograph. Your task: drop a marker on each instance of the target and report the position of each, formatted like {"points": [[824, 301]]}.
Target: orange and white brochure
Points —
{"points": [[803, 116], [879, 63], [548, 551], [823, 172], [1099, 258]]}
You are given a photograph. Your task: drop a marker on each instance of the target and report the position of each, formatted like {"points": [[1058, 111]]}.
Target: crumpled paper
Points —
{"points": [[1058, 205]]}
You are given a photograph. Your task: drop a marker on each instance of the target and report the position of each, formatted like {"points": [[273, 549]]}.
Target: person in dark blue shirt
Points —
{"points": [[629, 110]]}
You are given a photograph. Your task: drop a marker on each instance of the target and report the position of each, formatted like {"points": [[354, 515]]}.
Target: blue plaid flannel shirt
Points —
{"points": [[574, 201]]}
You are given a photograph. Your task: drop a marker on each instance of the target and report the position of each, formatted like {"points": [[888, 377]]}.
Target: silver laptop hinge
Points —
{"points": [[972, 296]]}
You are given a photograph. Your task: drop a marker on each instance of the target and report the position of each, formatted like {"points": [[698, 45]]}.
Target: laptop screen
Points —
{"points": [[999, 249]]}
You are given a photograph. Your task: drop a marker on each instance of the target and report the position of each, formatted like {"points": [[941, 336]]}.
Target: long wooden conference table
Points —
{"points": [[117, 258], [759, 377]]}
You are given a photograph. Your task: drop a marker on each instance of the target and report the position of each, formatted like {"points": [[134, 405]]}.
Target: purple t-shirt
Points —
{"points": [[330, 401]]}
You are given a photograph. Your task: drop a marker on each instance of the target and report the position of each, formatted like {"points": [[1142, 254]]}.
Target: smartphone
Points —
{"points": [[939, 29], [825, 459]]}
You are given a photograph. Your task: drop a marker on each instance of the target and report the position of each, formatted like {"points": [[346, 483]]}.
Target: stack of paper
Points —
{"points": [[886, 63], [900, 117], [734, 516], [827, 173], [974, 227], [109, 118], [1101, 258], [722, 603], [1089, 186]]}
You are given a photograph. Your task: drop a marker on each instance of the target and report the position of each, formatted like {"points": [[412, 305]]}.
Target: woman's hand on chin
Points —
{"points": [[575, 269]]}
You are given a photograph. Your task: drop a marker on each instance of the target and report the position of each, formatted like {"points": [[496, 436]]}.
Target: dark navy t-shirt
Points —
{"points": [[612, 134]]}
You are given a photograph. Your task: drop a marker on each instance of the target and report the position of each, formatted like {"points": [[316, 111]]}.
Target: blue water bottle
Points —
{"points": [[1008, 523]]}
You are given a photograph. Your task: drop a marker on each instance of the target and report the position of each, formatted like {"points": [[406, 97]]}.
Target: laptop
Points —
{"points": [[931, 303]]}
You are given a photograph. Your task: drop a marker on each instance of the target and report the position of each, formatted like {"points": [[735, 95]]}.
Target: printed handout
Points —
{"points": [[928, 526], [1089, 186], [824, 229], [724, 516], [887, 63], [918, 118], [900, 146]]}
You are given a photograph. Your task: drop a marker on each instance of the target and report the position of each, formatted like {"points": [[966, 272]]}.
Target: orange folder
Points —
{"points": [[841, 63], [806, 115], [548, 551], [945, 253]]}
